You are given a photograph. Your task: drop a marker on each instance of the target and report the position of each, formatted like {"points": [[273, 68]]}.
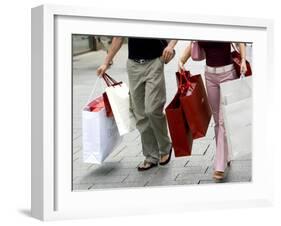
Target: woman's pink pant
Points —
{"points": [[213, 90]]}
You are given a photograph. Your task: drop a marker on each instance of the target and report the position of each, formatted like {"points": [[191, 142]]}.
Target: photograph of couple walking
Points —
{"points": [[155, 112]]}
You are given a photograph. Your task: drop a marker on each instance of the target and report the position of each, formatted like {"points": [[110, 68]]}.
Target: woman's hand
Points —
{"points": [[184, 58], [243, 66], [180, 66]]}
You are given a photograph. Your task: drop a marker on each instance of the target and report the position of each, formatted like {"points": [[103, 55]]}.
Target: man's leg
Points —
{"points": [[155, 99], [136, 74]]}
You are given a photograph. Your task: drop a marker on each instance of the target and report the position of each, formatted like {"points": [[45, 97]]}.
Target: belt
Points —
{"points": [[142, 61], [218, 70]]}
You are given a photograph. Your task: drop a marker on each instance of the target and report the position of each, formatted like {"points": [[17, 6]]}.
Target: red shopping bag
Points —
{"points": [[236, 57], [109, 82], [179, 130], [194, 103]]}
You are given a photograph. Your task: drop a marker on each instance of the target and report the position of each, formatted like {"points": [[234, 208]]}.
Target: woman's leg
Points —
{"points": [[213, 89]]}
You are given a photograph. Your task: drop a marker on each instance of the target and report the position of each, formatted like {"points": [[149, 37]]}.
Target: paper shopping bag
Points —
{"points": [[236, 103], [107, 105], [109, 82], [178, 127], [237, 59], [100, 133], [118, 96], [195, 103]]}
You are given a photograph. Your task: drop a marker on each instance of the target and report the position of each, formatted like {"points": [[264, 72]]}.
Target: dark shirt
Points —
{"points": [[217, 53], [143, 48]]}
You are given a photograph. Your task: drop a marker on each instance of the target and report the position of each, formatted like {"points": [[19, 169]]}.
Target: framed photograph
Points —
{"points": [[101, 144]]}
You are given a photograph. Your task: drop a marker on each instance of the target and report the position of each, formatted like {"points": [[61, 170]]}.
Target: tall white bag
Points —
{"points": [[236, 103], [118, 96], [99, 135]]}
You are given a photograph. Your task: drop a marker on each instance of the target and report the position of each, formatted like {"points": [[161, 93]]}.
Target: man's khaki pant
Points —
{"points": [[148, 97]]}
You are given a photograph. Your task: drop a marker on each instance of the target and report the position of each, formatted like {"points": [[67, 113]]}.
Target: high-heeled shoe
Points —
{"points": [[218, 175]]}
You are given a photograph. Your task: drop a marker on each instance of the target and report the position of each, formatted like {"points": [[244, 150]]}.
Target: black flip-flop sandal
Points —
{"points": [[151, 165], [168, 160]]}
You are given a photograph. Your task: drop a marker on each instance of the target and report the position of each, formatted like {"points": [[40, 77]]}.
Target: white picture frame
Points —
{"points": [[52, 196]]}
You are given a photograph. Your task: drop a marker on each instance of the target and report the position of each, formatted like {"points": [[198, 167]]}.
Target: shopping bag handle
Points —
{"points": [[106, 80], [109, 80], [184, 76], [92, 92], [234, 48]]}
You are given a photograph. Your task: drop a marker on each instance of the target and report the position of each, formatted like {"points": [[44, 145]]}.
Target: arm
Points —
{"points": [[243, 67], [114, 48], [168, 52], [172, 43], [184, 57]]}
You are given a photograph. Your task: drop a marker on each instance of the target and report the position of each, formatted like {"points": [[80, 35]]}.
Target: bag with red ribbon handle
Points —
{"points": [[109, 82], [194, 103], [178, 127], [236, 57]]}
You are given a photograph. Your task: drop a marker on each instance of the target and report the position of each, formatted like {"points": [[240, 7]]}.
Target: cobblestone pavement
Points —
{"points": [[119, 169]]}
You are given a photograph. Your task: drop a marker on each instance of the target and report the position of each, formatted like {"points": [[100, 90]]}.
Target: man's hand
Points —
{"points": [[114, 48], [102, 69], [168, 53]]}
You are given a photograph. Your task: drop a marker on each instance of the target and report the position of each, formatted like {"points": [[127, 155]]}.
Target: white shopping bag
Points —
{"points": [[236, 103], [99, 135], [118, 97]]}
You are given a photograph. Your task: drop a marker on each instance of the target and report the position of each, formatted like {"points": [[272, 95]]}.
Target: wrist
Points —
{"points": [[172, 44], [182, 61], [169, 48], [106, 63]]}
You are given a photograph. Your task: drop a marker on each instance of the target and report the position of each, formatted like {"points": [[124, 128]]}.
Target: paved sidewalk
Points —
{"points": [[119, 169]]}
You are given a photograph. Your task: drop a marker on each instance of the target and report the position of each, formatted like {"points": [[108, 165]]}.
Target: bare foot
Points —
{"points": [[164, 158], [146, 166]]}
